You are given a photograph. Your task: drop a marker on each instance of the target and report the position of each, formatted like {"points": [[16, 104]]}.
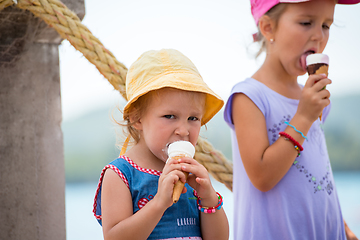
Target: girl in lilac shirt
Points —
{"points": [[283, 182]]}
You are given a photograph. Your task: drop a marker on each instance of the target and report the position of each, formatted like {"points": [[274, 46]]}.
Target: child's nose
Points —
{"points": [[318, 34], [182, 130]]}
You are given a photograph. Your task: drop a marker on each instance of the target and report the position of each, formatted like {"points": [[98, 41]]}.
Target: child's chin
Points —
{"points": [[302, 73]]}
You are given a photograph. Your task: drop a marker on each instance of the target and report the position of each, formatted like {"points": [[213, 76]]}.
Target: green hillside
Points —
{"points": [[90, 140], [343, 133], [89, 144]]}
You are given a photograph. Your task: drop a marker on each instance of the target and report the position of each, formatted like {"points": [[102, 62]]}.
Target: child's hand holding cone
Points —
{"points": [[317, 63]]}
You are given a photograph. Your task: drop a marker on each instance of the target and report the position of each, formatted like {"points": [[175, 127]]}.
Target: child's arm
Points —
{"points": [[118, 220], [213, 225], [349, 234], [264, 164]]}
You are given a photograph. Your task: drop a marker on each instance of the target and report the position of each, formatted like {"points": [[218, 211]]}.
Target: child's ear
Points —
{"points": [[267, 27], [137, 125], [136, 122]]}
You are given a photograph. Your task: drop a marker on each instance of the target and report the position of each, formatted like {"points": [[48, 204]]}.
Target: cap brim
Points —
{"points": [[348, 1]]}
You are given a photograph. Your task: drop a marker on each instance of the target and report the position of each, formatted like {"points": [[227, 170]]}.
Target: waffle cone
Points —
{"points": [[178, 188], [179, 185], [322, 69]]}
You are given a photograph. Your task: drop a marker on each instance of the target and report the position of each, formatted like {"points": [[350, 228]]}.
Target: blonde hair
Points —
{"points": [[274, 14], [137, 110]]}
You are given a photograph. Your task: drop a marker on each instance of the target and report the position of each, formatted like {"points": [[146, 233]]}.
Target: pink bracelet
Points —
{"points": [[297, 145], [209, 209]]}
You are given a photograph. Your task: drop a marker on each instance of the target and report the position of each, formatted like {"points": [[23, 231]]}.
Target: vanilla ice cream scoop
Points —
{"points": [[177, 150]]}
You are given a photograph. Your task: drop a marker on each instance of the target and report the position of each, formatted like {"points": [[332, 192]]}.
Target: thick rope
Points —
{"points": [[5, 3], [69, 26], [215, 162]]}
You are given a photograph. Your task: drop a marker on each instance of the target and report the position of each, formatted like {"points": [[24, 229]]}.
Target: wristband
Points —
{"points": [[209, 209], [297, 145], [287, 123]]}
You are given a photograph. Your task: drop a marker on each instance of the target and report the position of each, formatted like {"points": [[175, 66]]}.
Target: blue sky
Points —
{"points": [[215, 35]]}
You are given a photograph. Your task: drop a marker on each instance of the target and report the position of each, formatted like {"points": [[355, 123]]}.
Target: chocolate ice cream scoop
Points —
{"points": [[317, 63]]}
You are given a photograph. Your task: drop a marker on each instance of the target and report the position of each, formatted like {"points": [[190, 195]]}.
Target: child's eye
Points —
{"points": [[325, 26], [193, 119], [305, 23], [169, 116]]}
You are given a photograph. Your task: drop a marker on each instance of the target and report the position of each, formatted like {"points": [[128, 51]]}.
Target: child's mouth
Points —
{"points": [[303, 59]]}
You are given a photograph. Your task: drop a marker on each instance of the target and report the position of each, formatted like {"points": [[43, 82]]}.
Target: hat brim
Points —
{"points": [[182, 80]]}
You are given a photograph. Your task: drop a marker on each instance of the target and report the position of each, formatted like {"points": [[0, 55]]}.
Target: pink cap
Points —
{"points": [[260, 7]]}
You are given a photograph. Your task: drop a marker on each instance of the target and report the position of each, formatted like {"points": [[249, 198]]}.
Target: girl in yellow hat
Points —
{"points": [[168, 101]]}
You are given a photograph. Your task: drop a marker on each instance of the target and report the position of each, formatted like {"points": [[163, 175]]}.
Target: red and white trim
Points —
{"points": [[145, 170], [115, 169], [121, 175]]}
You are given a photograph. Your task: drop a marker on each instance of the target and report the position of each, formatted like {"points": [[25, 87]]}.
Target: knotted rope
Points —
{"points": [[69, 26]]}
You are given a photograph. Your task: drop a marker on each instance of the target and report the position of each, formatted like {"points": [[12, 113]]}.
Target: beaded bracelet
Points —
{"points": [[209, 209], [287, 123], [297, 145]]}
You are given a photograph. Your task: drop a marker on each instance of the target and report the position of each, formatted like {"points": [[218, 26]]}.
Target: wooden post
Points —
{"points": [[32, 175]]}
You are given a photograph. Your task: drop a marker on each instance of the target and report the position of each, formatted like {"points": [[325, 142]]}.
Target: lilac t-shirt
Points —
{"points": [[304, 204]]}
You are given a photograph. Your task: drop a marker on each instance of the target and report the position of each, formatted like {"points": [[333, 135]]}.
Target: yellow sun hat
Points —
{"points": [[154, 70]]}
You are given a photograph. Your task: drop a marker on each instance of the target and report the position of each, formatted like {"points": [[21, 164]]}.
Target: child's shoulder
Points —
{"points": [[127, 164], [252, 88], [121, 160], [249, 84], [120, 164], [256, 91]]}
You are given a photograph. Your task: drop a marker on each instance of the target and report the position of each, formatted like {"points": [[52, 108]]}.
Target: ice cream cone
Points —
{"points": [[178, 150], [317, 63], [178, 188]]}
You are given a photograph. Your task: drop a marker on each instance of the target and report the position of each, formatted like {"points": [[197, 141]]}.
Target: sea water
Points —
{"points": [[81, 223]]}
